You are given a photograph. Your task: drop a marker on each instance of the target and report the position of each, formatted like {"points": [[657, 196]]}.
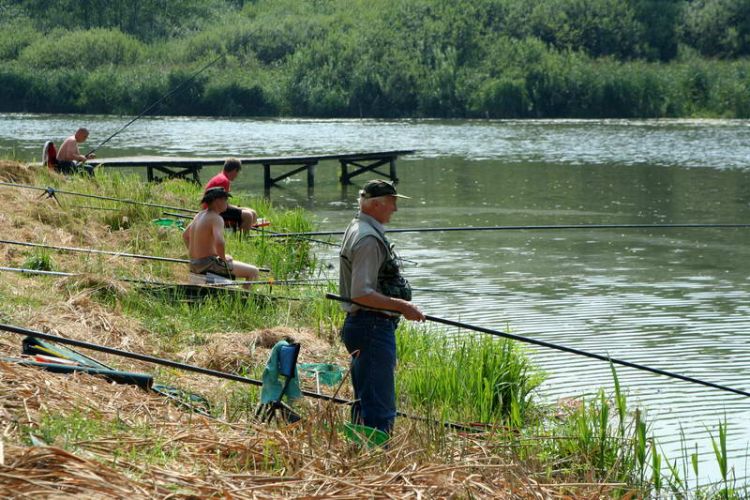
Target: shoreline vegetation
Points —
{"points": [[390, 59], [80, 435]]}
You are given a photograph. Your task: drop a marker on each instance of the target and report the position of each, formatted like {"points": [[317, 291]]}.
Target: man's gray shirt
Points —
{"points": [[362, 254]]}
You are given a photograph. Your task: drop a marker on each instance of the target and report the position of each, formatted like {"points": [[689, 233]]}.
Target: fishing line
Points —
{"points": [[299, 238], [228, 283], [94, 251], [260, 230], [558, 347], [205, 371], [525, 228], [106, 252], [460, 292], [51, 192], [165, 96]]}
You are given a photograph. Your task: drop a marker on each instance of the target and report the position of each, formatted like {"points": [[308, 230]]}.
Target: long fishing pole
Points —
{"points": [[558, 347], [197, 369], [94, 251], [106, 252], [263, 231], [152, 359], [228, 283], [266, 232], [51, 192], [523, 228], [161, 99]]}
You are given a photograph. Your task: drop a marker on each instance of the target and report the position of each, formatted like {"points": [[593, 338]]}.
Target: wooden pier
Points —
{"points": [[351, 164]]}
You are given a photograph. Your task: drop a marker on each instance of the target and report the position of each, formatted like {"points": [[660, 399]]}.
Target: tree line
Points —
{"points": [[390, 58]]}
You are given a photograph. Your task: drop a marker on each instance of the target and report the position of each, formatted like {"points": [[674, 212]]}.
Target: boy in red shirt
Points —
{"points": [[237, 217]]}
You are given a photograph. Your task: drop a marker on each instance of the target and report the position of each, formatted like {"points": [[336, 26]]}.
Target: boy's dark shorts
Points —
{"points": [[232, 216]]}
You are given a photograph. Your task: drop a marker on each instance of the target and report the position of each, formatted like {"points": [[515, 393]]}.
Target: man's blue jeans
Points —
{"points": [[373, 367]]}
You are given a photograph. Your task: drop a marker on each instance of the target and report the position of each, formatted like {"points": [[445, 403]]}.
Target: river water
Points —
{"points": [[674, 299]]}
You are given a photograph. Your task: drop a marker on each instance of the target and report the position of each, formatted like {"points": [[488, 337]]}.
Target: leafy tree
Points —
{"points": [[146, 19], [83, 49], [718, 27], [598, 27], [660, 27], [15, 35]]}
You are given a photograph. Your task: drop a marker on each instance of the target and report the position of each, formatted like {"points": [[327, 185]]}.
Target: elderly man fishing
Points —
{"points": [[204, 238], [370, 276], [69, 158]]}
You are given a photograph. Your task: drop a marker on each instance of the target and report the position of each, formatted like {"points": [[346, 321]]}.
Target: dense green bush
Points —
{"points": [[353, 58], [718, 27], [147, 20], [14, 37], [597, 27], [13, 84], [237, 94], [83, 50]]}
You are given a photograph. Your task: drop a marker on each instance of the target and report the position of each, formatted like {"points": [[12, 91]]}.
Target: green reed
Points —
{"points": [[470, 378], [39, 259]]}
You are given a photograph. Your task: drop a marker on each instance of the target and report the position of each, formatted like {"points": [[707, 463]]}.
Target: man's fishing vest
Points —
{"points": [[390, 282]]}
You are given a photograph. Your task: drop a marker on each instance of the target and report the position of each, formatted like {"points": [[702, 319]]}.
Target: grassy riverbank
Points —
{"points": [[344, 58], [121, 441]]}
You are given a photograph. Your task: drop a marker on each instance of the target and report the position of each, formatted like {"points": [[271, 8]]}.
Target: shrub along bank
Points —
{"points": [[343, 58]]}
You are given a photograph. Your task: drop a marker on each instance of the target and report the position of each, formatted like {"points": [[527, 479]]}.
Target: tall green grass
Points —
{"points": [[475, 379]]}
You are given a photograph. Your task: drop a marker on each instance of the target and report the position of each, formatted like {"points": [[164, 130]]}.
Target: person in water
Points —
{"points": [[204, 239], [69, 158], [236, 217], [369, 274]]}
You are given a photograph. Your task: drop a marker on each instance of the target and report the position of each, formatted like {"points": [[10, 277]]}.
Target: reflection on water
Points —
{"points": [[675, 299]]}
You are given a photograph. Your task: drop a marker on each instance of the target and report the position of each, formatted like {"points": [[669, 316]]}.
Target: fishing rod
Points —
{"points": [[197, 369], [152, 359], [157, 102], [228, 283], [106, 252], [298, 238], [524, 228], [94, 251], [51, 192], [304, 282], [558, 347], [261, 230]]}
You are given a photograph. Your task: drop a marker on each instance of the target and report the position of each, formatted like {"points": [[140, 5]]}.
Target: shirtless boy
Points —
{"points": [[204, 238]]}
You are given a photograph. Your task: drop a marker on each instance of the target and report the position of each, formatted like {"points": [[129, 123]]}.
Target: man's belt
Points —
{"points": [[375, 313]]}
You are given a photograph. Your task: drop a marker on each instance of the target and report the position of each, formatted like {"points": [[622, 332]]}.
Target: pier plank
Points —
{"points": [[190, 167]]}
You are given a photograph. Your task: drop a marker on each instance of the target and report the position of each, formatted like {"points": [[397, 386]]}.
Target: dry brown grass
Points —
{"points": [[220, 459], [12, 171]]}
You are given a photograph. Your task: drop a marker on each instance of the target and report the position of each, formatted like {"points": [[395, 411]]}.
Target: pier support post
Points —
{"points": [[311, 175], [267, 182]]}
